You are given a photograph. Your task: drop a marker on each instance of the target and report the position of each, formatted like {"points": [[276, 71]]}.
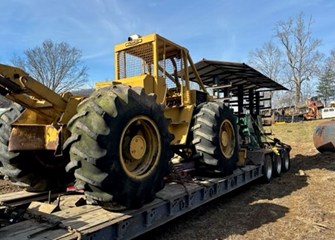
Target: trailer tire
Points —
{"points": [[267, 169], [277, 165], [27, 169], [286, 161], [120, 146], [215, 139]]}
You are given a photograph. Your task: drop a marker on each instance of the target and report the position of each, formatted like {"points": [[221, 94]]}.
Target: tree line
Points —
{"points": [[292, 58]]}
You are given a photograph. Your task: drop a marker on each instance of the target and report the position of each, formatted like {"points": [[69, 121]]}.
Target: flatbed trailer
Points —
{"points": [[95, 222]]}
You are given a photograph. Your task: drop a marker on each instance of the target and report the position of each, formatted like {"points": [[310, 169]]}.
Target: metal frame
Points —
{"points": [[93, 222]]}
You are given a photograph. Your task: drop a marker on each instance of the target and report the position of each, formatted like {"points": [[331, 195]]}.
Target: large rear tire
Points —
{"points": [[29, 168], [120, 146], [215, 139]]}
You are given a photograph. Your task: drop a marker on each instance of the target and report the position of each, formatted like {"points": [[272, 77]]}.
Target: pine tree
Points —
{"points": [[326, 86]]}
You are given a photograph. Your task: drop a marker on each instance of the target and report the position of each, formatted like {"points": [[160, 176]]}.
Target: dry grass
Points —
{"points": [[298, 205]]}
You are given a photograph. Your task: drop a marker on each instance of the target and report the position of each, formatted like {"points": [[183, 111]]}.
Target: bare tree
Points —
{"points": [[301, 51], [56, 65], [268, 60]]}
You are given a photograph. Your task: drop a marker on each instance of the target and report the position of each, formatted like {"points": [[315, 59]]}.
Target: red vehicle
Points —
{"points": [[314, 109]]}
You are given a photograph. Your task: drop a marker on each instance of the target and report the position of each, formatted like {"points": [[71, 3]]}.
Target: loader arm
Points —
{"points": [[32, 139], [18, 86]]}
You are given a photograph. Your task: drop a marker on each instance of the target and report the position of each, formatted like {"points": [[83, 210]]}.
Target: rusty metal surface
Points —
{"points": [[324, 137], [33, 137]]}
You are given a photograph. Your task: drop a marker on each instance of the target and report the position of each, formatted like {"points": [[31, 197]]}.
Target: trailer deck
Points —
{"points": [[95, 222]]}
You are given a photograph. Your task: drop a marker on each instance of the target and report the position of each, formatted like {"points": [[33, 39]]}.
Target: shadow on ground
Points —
{"points": [[244, 209]]}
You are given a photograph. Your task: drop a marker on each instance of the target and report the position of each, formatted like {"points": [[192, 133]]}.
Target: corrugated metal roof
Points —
{"points": [[215, 73]]}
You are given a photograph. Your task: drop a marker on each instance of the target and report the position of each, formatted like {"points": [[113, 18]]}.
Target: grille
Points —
{"points": [[136, 61]]}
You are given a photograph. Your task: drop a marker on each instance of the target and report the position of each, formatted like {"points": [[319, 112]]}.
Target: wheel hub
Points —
{"points": [[138, 147], [227, 138], [224, 138]]}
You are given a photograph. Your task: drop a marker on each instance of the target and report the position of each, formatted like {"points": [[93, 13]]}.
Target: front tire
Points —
{"points": [[120, 146]]}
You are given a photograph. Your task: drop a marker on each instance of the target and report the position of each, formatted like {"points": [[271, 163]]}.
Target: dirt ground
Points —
{"points": [[297, 205]]}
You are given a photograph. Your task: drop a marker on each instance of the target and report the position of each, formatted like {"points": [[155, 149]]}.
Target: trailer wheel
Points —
{"points": [[28, 168], [120, 146], [277, 165], [286, 161], [267, 169], [215, 139]]}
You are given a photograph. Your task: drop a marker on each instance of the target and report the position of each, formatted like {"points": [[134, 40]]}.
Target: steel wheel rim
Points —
{"points": [[140, 147], [227, 139]]}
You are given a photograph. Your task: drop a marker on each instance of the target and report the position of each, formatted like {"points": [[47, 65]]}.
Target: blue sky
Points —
{"points": [[224, 30]]}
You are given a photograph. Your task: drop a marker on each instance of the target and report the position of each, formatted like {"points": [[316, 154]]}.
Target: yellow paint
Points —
{"points": [[275, 150], [181, 118], [138, 146], [51, 135], [158, 62], [165, 62]]}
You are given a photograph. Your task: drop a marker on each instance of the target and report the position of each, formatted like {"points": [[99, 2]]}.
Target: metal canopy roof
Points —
{"points": [[216, 73]]}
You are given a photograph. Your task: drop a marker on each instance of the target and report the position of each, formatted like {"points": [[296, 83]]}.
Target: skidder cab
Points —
{"points": [[148, 113]]}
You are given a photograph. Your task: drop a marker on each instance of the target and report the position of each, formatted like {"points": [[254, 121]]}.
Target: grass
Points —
{"points": [[299, 135]]}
